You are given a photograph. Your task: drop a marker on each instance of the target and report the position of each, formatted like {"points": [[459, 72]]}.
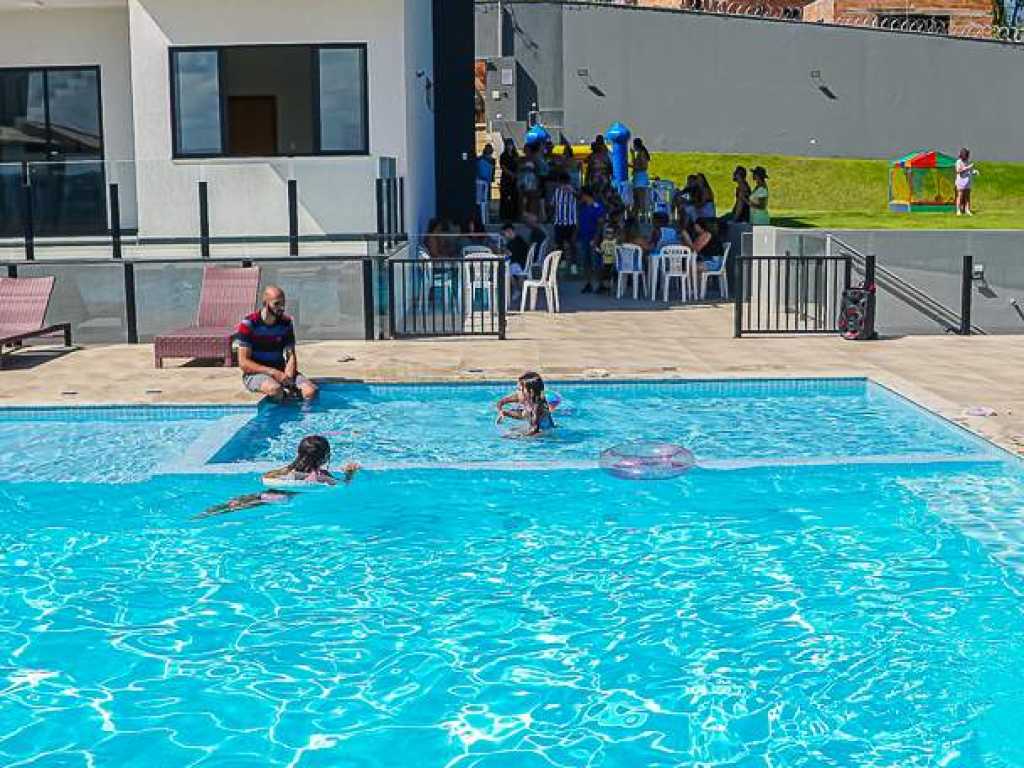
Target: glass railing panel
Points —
{"points": [[325, 298], [69, 198], [89, 296], [166, 296]]}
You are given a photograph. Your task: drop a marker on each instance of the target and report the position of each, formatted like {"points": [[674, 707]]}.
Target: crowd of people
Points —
{"points": [[588, 215]]}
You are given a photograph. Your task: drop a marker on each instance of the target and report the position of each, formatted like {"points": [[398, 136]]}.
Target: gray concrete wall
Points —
{"points": [[690, 81]]}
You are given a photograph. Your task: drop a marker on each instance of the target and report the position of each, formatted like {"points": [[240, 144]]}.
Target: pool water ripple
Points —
{"points": [[801, 616]]}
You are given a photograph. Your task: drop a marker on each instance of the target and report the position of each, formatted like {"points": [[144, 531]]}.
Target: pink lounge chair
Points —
{"points": [[228, 294], [23, 305]]}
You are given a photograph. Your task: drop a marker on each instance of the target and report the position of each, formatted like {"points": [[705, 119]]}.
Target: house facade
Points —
{"points": [[157, 96]]}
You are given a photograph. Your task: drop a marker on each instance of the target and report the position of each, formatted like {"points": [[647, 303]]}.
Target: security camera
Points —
{"points": [[978, 272]]}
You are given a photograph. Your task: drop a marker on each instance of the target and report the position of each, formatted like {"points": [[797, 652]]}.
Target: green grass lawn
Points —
{"points": [[840, 193]]}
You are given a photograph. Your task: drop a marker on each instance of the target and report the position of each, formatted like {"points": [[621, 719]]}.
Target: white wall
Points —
{"points": [[83, 37], [250, 198], [419, 167]]}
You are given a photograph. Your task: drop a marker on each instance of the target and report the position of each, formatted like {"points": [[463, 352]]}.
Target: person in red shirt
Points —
{"points": [[266, 351]]}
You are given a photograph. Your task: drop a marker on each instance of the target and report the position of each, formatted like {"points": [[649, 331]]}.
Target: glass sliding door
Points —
{"points": [[69, 191], [50, 126], [22, 138]]}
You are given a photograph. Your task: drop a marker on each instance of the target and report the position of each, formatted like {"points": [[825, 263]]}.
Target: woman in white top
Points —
{"points": [[964, 173]]}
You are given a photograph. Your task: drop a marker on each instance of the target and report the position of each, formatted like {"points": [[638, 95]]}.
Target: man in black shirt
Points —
{"points": [[515, 245]]}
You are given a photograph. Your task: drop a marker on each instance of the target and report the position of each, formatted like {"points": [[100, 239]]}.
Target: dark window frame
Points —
{"points": [[45, 70], [314, 53]]}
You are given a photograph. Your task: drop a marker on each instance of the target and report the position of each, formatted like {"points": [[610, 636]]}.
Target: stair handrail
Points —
{"points": [[904, 290]]}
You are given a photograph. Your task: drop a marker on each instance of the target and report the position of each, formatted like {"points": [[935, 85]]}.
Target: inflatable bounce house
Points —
{"points": [[922, 181], [617, 138]]}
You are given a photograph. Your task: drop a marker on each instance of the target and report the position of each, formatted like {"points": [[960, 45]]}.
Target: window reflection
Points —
{"points": [[74, 112], [342, 96], [22, 116], [197, 97]]}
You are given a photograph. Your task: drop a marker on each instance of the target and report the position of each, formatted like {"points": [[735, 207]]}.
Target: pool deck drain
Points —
{"points": [[947, 374]]}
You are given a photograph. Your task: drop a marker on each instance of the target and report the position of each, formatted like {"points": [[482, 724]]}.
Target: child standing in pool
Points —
{"points": [[309, 466], [533, 406]]}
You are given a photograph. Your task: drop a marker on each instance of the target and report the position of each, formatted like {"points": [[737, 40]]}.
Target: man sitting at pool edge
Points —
{"points": [[266, 351]]}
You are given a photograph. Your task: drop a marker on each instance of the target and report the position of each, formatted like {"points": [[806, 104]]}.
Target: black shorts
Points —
{"points": [[565, 233]]}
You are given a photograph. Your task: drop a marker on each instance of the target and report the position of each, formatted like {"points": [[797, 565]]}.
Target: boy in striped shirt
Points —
{"points": [[564, 202]]}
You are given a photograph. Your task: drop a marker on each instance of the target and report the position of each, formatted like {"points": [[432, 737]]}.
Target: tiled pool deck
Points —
{"points": [[949, 374]]}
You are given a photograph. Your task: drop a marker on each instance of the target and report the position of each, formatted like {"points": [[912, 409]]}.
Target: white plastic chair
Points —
{"points": [[423, 278], [539, 255], [675, 263], [437, 278], [548, 283], [531, 259], [720, 273], [629, 263], [480, 283]]}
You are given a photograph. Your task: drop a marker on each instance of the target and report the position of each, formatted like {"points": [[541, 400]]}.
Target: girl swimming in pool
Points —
{"points": [[310, 466], [528, 403]]}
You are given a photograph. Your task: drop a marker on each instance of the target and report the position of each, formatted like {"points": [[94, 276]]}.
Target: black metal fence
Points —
{"points": [[789, 294], [447, 297]]}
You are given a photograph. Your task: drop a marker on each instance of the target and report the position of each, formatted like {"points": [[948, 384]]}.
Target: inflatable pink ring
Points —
{"points": [[646, 460]]}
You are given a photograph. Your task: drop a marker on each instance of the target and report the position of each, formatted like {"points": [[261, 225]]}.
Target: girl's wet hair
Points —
{"points": [[314, 451], [533, 384]]}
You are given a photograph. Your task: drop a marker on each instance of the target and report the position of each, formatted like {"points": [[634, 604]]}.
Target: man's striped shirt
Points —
{"points": [[266, 343]]}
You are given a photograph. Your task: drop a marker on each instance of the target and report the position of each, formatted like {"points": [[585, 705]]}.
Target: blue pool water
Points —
{"points": [[770, 614], [718, 421]]}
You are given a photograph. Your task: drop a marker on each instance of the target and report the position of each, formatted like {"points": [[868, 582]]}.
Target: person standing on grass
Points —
{"points": [[266, 351], [564, 204], [759, 198], [965, 172], [591, 214], [741, 206]]}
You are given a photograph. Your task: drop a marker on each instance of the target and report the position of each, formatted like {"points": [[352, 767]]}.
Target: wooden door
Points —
{"points": [[252, 125]]}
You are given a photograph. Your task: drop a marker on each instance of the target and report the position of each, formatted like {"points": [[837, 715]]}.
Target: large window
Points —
{"points": [[51, 151], [50, 114], [269, 100]]}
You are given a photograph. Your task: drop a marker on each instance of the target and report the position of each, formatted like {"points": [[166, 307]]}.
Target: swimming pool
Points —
{"points": [[839, 582]]}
